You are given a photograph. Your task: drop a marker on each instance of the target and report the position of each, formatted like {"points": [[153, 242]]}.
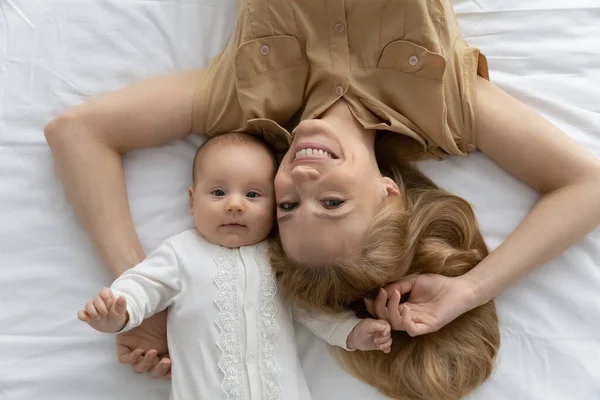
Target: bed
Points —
{"points": [[57, 53]]}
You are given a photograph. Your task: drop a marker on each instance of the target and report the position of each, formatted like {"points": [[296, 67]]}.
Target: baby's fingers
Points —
{"points": [[380, 327], [119, 306], [106, 294], [91, 311], [100, 306], [379, 340], [387, 329], [382, 337], [386, 347]]}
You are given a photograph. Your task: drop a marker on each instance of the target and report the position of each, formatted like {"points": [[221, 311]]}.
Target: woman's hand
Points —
{"points": [[435, 300], [145, 347]]}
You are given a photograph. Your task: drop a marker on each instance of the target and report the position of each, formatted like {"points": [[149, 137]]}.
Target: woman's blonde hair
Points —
{"points": [[425, 230]]}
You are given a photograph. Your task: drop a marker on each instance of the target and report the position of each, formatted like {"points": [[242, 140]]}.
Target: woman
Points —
{"points": [[338, 72], [421, 229]]}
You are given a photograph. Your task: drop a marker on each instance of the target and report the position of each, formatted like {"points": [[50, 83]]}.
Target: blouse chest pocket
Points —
{"points": [[411, 58], [271, 75], [411, 79]]}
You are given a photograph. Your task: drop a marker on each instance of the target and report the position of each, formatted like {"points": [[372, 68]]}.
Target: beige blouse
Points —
{"points": [[401, 65]]}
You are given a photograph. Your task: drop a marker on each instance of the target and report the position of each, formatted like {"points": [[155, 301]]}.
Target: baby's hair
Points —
{"points": [[426, 230], [231, 139]]}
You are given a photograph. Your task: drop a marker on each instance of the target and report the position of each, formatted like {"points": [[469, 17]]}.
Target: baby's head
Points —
{"points": [[232, 197]]}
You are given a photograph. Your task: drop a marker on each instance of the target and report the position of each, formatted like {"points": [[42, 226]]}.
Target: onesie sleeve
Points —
{"points": [[334, 329], [150, 286]]}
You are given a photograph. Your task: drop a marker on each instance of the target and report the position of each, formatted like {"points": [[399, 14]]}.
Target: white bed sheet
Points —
{"points": [[56, 53]]}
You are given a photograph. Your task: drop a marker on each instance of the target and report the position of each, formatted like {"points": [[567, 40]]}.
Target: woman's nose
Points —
{"points": [[303, 173]]}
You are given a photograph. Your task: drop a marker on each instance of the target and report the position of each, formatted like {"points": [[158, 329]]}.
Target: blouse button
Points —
{"points": [[339, 90], [250, 358], [413, 60], [249, 306], [339, 27], [264, 50]]}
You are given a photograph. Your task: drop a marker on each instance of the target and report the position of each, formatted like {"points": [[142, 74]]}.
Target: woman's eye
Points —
{"points": [[332, 203], [218, 193], [252, 195], [287, 206]]}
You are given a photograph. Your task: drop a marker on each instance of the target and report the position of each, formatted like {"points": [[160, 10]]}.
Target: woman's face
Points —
{"points": [[328, 188]]}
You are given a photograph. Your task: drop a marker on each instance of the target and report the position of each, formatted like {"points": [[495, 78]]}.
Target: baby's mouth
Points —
{"points": [[233, 225]]}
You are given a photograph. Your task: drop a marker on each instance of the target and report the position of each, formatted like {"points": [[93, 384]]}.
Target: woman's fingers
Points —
{"points": [[370, 306], [403, 286], [126, 356], [393, 309], [161, 369], [408, 324], [413, 325], [147, 362], [380, 305]]}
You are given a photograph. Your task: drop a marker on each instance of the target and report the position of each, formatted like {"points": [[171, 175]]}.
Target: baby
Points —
{"points": [[230, 331]]}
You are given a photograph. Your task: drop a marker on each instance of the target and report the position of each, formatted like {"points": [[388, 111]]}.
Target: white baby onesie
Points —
{"points": [[229, 330]]}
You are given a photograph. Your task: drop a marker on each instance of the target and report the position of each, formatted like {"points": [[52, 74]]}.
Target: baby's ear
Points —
{"points": [[191, 196]]}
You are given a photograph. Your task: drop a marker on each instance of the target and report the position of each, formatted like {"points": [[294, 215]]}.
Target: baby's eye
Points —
{"points": [[252, 195], [332, 203], [218, 193], [287, 206]]}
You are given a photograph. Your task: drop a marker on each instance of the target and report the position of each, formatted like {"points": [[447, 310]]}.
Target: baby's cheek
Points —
{"points": [[268, 217], [200, 227], [203, 219]]}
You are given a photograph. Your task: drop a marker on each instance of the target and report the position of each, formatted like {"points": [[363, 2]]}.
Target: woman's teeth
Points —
{"points": [[313, 152]]}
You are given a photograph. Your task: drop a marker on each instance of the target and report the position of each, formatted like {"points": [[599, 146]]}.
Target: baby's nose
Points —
{"points": [[235, 206]]}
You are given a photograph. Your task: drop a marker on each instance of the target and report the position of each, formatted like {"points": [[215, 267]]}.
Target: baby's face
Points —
{"points": [[233, 201]]}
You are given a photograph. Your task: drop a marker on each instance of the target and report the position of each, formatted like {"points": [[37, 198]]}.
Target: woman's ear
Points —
{"points": [[191, 195], [390, 186]]}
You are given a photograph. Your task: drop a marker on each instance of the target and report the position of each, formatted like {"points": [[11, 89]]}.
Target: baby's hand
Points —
{"points": [[105, 313], [371, 334]]}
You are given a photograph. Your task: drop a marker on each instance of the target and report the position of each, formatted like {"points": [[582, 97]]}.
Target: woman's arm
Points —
{"points": [[87, 143], [567, 176], [536, 152]]}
